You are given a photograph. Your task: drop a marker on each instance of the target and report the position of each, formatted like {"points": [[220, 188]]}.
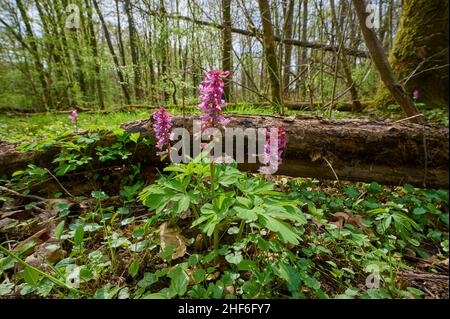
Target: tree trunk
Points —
{"points": [[420, 56], [123, 84], [134, 52], [382, 64], [287, 31], [357, 106], [270, 53], [227, 46], [33, 48], [94, 47], [357, 150]]}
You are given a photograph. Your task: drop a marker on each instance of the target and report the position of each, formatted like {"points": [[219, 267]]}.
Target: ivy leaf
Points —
{"points": [[234, 258], [179, 280]]}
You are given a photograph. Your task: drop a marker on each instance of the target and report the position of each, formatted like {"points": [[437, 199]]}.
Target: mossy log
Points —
{"points": [[355, 150]]}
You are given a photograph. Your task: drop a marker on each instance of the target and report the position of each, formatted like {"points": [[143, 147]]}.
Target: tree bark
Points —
{"points": [[270, 53], [139, 94], [382, 64], [33, 48], [227, 46], [94, 47], [287, 30], [357, 150], [120, 75], [420, 55]]}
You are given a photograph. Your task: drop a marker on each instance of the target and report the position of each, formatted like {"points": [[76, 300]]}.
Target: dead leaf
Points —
{"points": [[198, 243], [213, 276], [339, 223], [171, 236]]}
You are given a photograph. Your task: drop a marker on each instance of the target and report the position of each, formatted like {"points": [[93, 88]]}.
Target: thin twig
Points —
{"points": [[3, 188], [332, 169], [408, 118], [67, 192]]}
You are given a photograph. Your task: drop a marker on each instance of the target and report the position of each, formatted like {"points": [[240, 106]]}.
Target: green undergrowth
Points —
{"points": [[124, 232], [95, 224]]}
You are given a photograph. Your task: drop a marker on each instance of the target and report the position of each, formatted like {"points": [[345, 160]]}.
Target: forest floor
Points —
{"points": [[101, 234]]}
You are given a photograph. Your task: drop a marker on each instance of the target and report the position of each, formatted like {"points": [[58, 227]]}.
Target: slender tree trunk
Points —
{"points": [[48, 100], [123, 84], [287, 30], [93, 42], [134, 51], [357, 106], [227, 46], [381, 62], [270, 53], [119, 35]]}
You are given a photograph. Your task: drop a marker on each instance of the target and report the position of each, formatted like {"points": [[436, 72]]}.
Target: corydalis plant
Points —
{"points": [[73, 116], [273, 149], [211, 90], [161, 127]]}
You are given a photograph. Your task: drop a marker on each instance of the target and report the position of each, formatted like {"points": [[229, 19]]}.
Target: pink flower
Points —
{"points": [[416, 94], [211, 90], [273, 159], [161, 127], [73, 116]]}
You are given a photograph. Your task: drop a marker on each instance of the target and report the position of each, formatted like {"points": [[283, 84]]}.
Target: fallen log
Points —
{"points": [[355, 150]]}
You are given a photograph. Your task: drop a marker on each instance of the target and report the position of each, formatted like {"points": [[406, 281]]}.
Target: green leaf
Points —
{"points": [[79, 235], [183, 204], [124, 293], [419, 211], [155, 296], [148, 280], [31, 276], [6, 288], [282, 229], [289, 274], [99, 195], [59, 230], [246, 214], [134, 268], [179, 281], [16, 173], [134, 137], [234, 258]]}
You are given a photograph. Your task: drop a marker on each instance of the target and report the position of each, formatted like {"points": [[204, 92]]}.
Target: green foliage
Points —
{"points": [[251, 202]]}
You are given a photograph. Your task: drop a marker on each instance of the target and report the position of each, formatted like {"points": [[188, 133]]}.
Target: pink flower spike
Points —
{"points": [[279, 147], [73, 116], [211, 90], [161, 127]]}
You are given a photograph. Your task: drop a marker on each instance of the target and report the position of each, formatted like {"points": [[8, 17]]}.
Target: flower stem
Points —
{"points": [[212, 181], [216, 238]]}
